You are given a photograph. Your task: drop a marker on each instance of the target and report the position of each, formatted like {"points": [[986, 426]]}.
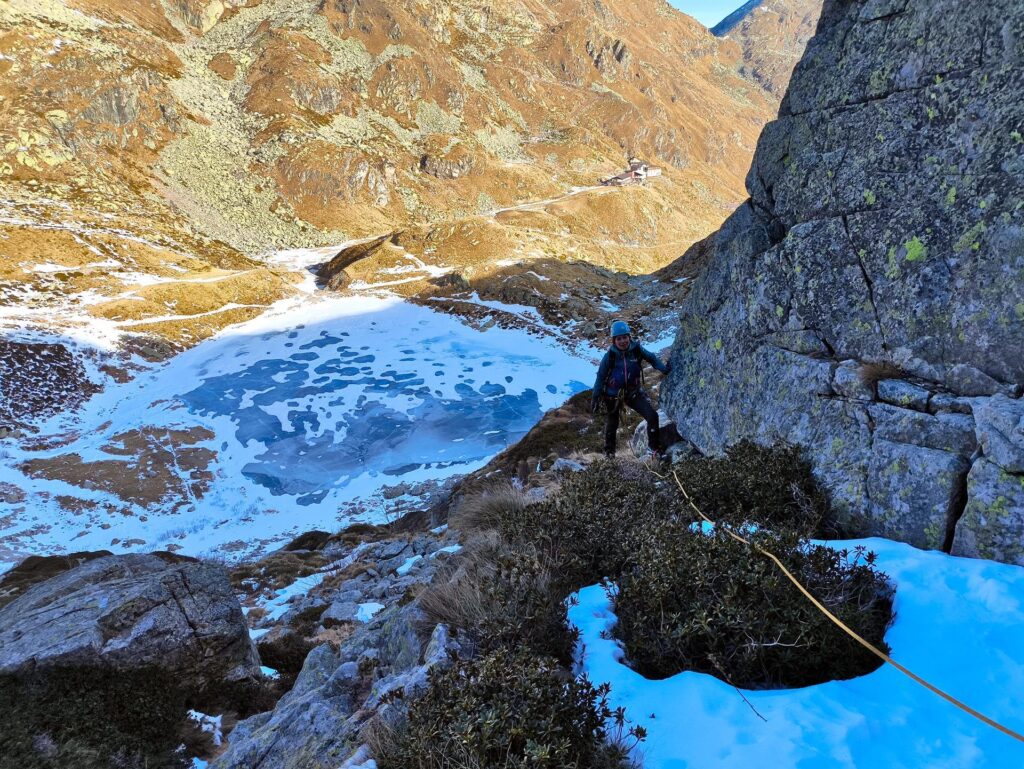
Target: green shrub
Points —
{"points": [[91, 719], [770, 486], [505, 710], [695, 601], [500, 596], [594, 524]]}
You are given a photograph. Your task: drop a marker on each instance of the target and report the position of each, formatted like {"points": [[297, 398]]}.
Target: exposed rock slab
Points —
{"points": [[317, 724], [131, 611]]}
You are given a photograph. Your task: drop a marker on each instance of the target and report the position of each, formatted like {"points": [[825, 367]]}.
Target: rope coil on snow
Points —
{"points": [[839, 623]]}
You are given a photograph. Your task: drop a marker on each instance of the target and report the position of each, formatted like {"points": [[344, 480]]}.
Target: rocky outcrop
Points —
{"points": [[132, 611], [372, 648], [883, 239], [332, 274], [39, 380], [317, 724]]}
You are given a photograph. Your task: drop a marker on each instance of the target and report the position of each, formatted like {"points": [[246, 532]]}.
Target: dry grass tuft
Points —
{"points": [[457, 596], [873, 373], [500, 594], [483, 510]]}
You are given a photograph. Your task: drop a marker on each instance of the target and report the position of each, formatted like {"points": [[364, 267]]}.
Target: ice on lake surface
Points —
{"points": [[314, 406], [342, 405]]}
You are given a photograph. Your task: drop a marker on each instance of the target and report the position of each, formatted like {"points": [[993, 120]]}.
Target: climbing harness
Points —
{"points": [[838, 622]]}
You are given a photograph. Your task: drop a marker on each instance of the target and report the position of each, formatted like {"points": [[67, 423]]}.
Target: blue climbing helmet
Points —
{"points": [[620, 328]]}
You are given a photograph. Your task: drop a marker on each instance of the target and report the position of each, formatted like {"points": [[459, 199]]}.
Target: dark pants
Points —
{"points": [[639, 403]]}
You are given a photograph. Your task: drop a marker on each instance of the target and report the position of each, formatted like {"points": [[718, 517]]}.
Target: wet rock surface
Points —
{"points": [[885, 225]]}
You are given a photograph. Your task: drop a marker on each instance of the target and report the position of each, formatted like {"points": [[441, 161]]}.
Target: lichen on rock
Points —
{"points": [[852, 236]]}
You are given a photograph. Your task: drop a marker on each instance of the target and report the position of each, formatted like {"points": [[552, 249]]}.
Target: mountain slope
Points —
{"points": [[152, 154], [773, 35], [281, 124]]}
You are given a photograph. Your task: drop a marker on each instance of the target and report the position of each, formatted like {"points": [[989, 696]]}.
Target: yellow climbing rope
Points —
{"points": [[849, 631]]}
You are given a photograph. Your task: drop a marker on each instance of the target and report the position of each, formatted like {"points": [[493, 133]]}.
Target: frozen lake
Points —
{"points": [[385, 390], [315, 407]]}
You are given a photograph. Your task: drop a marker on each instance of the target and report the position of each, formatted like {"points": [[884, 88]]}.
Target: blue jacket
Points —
{"points": [[623, 369]]}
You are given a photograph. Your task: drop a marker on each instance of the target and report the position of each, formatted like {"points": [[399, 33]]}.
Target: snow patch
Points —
{"points": [[368, 611], [407, 565], [314, 407], [958, 624]]}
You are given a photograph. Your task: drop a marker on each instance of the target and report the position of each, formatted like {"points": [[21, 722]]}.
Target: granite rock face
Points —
{"points": [[318, 724], [372, 649], [867, 302], [131, 611]]}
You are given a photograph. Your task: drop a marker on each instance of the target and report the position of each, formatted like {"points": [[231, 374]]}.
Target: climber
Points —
{"points": [[620, 380]]}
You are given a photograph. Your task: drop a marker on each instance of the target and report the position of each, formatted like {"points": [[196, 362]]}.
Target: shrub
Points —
{"points": [[593, 525], [91, 719], [771, 486], [505, 710], [502, 596], [103, 718], [695, 601]]}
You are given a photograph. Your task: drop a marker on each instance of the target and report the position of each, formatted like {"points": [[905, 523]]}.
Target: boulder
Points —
{"points": [[914, 492], [132, 611], [668, 436], [950, 432], [339, 612], [318, 724], [1000, 428], [848, 382], [969, 381], [563, 465], [903, 394]]}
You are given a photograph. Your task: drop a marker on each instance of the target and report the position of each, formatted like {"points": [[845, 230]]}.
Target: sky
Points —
{"points": [[707, 12]]}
